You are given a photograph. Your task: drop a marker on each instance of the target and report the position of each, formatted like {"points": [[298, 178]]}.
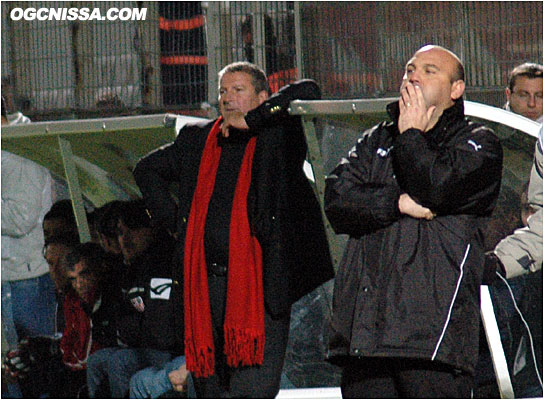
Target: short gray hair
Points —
{"points": [[258, 77]]}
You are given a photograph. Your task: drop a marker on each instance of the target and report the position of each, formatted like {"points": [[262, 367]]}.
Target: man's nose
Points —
{"points": [[531, 100], [413, 77]]}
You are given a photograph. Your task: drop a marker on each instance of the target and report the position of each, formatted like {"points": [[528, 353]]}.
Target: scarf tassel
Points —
{"points": [[244, 347], [200, 362]]}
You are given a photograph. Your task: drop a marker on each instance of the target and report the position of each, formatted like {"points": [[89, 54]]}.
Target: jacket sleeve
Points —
{"points": [[153, 174], [521, 252], [460, 178], [23, 186], [276, 107], [354, 203]]}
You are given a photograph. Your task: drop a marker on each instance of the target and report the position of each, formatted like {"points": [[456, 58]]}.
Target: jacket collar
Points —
{"points": [[450, 115]]}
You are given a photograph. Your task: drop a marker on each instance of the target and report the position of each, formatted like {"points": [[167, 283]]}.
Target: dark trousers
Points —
{"points": [[244, 382], [392, 378]]}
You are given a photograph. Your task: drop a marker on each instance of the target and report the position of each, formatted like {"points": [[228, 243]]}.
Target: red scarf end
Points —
{"points": [[199, 362], [244, 347]]}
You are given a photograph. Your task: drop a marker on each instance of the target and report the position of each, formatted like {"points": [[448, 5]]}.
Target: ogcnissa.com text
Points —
{"points": [[78, 14]]}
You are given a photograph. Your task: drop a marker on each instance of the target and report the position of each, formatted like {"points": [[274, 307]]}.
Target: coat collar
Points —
{"points": [[450, 115]]}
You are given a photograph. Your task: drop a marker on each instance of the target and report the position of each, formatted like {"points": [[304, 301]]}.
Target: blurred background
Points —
{"points": [[169, 62]]}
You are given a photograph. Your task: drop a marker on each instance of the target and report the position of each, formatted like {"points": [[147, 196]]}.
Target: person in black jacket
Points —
{"points": [[411, 195], [251, 239], [144, 323]]}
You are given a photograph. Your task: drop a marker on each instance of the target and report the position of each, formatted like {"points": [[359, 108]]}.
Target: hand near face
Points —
{"points": [[409, 207], [414, 112], [234, 119], [178, 378]]}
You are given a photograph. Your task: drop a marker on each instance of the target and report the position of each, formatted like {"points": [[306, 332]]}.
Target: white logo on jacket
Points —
{"points": [[383, 152], [475, 145]]}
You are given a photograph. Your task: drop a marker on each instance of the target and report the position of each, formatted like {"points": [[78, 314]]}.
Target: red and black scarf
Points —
{"points": [[244, 316]]}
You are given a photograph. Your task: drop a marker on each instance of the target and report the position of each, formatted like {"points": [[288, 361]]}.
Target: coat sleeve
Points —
{"points": [[23, 186], [460, 178], [276, 107], [153, 174], [356, 204], [521, 252]]}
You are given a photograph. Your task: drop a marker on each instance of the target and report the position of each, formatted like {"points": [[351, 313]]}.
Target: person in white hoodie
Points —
{"points": [[28, 293]]}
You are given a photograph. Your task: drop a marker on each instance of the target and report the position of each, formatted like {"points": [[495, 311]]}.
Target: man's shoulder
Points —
{"points": [[197, 126], [378, 134], [195, 131]]}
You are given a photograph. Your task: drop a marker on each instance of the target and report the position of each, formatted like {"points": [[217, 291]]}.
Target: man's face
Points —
{"points": [[432, 71], [526, 97], [54, 255], [83, 282], [237, 94], [133, 242]]}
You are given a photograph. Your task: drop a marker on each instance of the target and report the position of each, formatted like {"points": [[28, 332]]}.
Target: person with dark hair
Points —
{"points": [[59, 220], [33, 358], [106, 226], [245, 214], [412, 194], [56, 365], [145, 324], [524, 91]]}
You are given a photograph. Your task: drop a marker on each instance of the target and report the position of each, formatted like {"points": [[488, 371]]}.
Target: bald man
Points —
{"points": [[411, 195]]}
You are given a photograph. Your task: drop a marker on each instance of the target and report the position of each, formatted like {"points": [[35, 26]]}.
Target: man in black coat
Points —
{"points": [[411, 195], [250, 235]]}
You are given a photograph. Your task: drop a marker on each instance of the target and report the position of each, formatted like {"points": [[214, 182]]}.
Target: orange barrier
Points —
{"points": [[281, 78], [181, 24], [184, 60]]}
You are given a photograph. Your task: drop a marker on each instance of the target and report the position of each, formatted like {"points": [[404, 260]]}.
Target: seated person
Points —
{"points": [[59, 220], [37, 348], [87, 311], [106, 227], [146, 323]]}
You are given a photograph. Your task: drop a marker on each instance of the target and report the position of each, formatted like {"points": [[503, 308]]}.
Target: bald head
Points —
{"points": [[439, 74], [458, 71]]}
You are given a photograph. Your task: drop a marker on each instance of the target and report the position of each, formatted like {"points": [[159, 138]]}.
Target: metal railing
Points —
{"points": [[169, 61]]}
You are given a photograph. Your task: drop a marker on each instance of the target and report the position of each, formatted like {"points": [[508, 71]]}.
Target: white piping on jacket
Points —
{"points": [[452, 302]]}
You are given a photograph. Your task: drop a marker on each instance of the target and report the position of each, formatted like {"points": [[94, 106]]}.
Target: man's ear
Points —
{"points": [[263, 96], [508, 94], [457, 89]]}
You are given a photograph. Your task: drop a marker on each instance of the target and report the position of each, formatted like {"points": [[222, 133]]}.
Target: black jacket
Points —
{"points": [[283, 211], [410, 287], [149, 278]]}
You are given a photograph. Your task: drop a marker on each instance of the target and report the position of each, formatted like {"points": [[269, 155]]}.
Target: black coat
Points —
{"points": [[283, 211], [409, 287], [150, 278]]}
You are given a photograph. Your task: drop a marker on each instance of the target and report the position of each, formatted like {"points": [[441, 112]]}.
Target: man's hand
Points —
{"points": [[409, 207], [233, 119], [178, 378], [413, 109]]}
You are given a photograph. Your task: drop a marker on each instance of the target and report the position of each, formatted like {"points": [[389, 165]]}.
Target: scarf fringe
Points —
{"points": [[200, 362], [244, 347]]}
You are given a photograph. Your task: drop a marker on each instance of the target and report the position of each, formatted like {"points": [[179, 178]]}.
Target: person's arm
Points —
{"points": [[521, 252], [274, 109], [462, 178], [156, 171], [354, 203], [23, 185]]}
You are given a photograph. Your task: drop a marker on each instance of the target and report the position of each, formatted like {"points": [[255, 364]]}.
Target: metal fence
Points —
{"points": [[169, 61]]}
